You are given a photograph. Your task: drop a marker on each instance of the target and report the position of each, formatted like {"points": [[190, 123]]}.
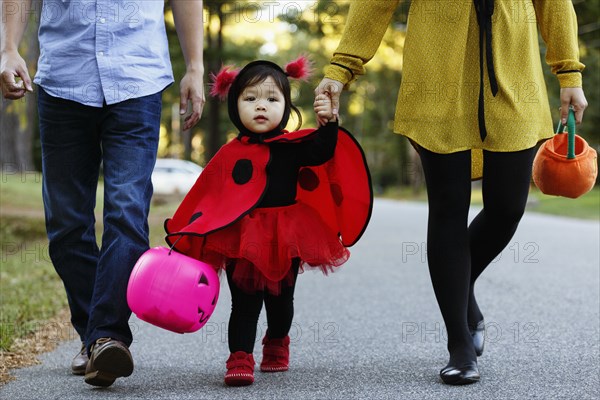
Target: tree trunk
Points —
{"points": [[215, 45], [9, 131], [186, 138]]}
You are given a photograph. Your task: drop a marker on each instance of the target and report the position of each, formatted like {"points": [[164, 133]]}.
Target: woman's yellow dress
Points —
{"points": [[437, 104]]}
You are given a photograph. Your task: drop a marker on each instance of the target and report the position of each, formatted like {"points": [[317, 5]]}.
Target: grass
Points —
{"points": [[584, 207], [22, 191], [30, 290]]}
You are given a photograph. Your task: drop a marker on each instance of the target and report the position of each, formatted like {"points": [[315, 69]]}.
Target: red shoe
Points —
{"points": [[276, 354], [240, 369]]}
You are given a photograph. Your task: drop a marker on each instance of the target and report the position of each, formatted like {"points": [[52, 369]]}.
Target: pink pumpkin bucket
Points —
{"points": [[172, 291]]}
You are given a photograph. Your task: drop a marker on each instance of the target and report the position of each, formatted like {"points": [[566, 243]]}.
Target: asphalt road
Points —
{"points": [[373, 330]]}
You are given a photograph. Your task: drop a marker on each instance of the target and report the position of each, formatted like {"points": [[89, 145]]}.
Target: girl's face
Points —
{"points": [[261, 106]]}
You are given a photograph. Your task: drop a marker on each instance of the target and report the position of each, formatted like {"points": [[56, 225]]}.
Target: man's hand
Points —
{"points": [[187, 15], [332, 89], [191, 90], [12, 66]]}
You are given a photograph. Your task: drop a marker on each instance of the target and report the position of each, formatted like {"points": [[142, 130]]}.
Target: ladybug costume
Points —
{"points": [[265, 200], [269, 205]]}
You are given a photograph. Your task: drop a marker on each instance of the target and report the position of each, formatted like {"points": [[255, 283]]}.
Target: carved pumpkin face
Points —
{"points": [[172, 291]]}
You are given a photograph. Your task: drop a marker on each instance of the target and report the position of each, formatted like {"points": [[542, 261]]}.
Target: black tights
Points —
{"points": [[457, 253], [246, 307]]}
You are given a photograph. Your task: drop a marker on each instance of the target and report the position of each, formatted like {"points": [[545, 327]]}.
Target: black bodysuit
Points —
{"points": [[287, 159]]}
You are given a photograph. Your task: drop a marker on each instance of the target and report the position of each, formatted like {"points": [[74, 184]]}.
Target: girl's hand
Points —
{"points": [[324, 110], [572, 97], [331, 89]]}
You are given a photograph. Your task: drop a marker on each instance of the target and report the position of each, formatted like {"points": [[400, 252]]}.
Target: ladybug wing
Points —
{"points": [[229, 187], [340, 190]]}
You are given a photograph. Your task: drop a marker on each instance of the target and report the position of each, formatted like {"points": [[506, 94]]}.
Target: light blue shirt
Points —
{"points": [[93, 51]]}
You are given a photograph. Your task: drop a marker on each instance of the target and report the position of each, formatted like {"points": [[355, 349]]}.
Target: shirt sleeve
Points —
{"points": [[365, 26], [320, 149], [558, 26]]}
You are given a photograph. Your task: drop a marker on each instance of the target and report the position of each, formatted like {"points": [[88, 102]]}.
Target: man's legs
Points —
{"points": [[70, 165], [129, 140], [129, 137], [75, 138]]}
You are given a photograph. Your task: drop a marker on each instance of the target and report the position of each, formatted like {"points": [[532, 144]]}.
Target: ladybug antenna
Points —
{"points": [[222, 81], [300, 68]]}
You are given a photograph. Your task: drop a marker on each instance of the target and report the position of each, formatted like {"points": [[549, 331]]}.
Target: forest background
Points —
{"points": [[240, 31]]}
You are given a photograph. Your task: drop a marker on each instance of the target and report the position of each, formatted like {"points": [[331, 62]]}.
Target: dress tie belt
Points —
{"points": [[485, 10]]}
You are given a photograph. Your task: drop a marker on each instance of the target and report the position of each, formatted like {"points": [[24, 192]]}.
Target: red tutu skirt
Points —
{"points": [[264, 243]]}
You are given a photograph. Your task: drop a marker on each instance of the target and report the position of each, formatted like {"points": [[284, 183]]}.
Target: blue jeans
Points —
{"points": [[76, 139]]}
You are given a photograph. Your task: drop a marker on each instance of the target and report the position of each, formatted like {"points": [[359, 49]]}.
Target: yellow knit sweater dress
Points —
{"points": [[437, 105]]}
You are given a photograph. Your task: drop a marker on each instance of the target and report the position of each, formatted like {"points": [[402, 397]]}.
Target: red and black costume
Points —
{"points": [[265, 200]]}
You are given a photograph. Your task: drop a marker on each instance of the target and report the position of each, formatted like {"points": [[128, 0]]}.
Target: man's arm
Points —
{"points": [[12, 26], [190, 30]]}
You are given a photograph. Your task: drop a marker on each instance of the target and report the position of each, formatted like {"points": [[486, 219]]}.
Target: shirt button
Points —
{"points": [[100, 53], [102, 20]]}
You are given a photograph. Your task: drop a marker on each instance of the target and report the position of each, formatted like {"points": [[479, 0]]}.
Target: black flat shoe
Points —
{"points": [[463, 375], [478, 335]]}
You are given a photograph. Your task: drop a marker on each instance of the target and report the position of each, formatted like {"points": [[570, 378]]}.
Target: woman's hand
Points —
{"points": [[572, 97], [332, 90]]}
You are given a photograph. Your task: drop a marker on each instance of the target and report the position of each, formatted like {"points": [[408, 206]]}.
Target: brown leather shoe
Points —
{"points": [[109, 360], [80, 361]]}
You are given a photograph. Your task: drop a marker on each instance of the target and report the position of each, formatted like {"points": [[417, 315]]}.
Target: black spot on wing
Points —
{"points": [[308, 179], [242, 171]]}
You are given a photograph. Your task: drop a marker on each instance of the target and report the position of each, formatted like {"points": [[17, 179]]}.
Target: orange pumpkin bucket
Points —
{"points": [[565, 165]]}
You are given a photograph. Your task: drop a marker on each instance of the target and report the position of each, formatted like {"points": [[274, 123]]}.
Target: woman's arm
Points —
{"points": [[558, 26], [365, 26]]}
